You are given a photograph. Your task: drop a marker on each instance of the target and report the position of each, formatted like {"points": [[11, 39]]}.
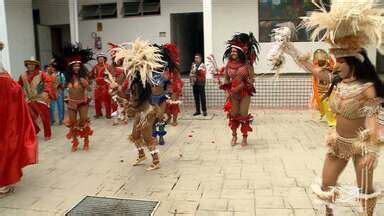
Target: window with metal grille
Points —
{"points": [[98, 11], [141, 7]]}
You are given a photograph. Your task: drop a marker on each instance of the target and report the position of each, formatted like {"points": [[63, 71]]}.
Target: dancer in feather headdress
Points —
{"points": [[349, 27], [140, 60], [320, 87], [241, 53], [171, 56], [77, 99]]}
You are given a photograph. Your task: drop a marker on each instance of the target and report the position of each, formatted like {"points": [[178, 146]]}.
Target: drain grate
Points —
{"points": [[113, 206]]}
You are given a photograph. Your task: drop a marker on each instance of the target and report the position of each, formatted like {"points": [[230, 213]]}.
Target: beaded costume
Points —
{"points": [[140, 60]]}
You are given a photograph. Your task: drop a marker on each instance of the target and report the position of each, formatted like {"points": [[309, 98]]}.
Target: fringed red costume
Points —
{"points": [[102, 96], [176, 90], [77, 99], [172, 73], [241, 53], [18, 143]]}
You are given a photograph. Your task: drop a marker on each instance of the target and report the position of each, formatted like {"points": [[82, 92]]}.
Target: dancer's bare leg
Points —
{"points": [[234, 112], [364, 178], [84, 122], [332, 169], [73, 123], [244, 112]]}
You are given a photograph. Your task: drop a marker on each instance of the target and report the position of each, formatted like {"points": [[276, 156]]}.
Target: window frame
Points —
{"points": [[99, 11], [141, 11]]}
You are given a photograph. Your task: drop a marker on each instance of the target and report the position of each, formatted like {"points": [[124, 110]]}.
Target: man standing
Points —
{"points": [[102, 95], [18, 146], [37, 89], [58, 87], [197, 77]]}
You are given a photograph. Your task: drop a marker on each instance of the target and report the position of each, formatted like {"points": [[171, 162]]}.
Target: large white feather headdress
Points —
{"points": [[348, 26], [139, 58]]}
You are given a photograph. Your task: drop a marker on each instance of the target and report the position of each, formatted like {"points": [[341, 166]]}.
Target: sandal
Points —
{"points": [[139, 160], [6, 190], [153, 167]]}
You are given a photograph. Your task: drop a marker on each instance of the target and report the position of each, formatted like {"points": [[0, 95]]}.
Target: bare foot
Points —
{"points": [[234, 140], [244, 142]]}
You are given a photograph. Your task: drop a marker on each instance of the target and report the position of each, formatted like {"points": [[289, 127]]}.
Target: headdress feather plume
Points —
{"points": [[349, 25], [139, 58], [247, 43], [76, 53]]}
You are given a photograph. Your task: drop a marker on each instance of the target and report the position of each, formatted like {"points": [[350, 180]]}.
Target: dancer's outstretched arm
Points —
{"points": [[372, 108], [303, 61]]}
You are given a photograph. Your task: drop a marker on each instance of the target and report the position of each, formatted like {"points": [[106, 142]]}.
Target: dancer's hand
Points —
{"points": [[369, 161], [331, 138]]}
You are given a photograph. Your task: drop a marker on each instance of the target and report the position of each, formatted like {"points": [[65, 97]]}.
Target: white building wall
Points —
{"points": [[21, 40], [52, 12], [129, 28], [228, 17]]}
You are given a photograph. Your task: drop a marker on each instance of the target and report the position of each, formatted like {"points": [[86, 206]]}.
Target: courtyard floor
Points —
{"points": [[201, 174]]}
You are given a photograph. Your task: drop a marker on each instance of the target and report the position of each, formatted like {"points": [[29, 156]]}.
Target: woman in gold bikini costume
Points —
{"points": [[349, 26], [77, 100]]}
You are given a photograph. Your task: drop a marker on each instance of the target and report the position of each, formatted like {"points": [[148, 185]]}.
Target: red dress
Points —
{"points": [[176, 88], [18, 144], [102, 95]]}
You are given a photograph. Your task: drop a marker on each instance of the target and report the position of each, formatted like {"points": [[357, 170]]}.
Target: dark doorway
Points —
{"points": [[36, 21], [60, 36], [187, 32], [51, 40], [380, 63]]}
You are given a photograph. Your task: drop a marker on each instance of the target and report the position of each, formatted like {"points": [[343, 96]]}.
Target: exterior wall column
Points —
{"points": [[74, 20], [208, 39], [4, 55]]}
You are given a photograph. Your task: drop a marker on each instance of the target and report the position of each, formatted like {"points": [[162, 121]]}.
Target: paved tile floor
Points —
{"points": [[201, 173]]}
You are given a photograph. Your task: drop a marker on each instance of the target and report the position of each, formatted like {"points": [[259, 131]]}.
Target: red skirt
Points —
{"points": [[18, 144]]}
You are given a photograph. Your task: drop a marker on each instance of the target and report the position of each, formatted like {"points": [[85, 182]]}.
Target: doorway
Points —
{"points": [[51, 41], [187, 32], [380, 63]]}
